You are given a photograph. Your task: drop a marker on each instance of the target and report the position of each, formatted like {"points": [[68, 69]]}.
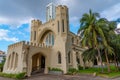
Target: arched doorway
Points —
{"points": [[38, 63]]}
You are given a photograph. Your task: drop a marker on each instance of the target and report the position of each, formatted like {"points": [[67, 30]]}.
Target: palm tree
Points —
{"points": [[108, 28], [91, 32], [115, 43]]}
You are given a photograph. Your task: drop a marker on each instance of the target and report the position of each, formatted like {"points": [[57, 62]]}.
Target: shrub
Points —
{"points": [[20, 75], [72, 71], [80, 67], [55, 69], [16, 76]]}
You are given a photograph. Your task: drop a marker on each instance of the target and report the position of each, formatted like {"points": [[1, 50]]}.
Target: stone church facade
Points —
{"points": [[52, 45]]}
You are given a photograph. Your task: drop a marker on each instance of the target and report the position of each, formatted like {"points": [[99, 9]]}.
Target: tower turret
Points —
{"points": [[62, 19], [35, 24]]}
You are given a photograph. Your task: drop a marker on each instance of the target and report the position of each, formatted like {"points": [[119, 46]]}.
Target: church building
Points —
{"points": [[52, 45]]}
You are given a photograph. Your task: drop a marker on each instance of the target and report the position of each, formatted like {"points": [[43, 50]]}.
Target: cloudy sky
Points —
{"points": [[15, 15]]}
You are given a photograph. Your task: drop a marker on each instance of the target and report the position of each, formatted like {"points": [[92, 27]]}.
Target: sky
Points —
{"points": [[16, 16]]}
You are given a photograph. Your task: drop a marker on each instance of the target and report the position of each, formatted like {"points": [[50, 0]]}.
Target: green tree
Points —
{"points": [[91, 32], [108, 28]]}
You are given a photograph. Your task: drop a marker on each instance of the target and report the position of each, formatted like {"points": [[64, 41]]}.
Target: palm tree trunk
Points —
{"points": [[108, 64], [100, 59]]}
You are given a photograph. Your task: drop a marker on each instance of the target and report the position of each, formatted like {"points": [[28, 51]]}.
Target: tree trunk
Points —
{"points": [[108, 64], [100, 59]]}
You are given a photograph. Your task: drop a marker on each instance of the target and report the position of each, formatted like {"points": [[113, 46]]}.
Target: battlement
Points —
{"points": [[24, 43], [37, 45], [16, 44], [62, 7], [36, 22]]}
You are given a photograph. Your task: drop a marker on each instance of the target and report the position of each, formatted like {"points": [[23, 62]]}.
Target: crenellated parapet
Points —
{"points": [[26, 43], [16, 44], [36, 23], [61, 9], [37, 45]]}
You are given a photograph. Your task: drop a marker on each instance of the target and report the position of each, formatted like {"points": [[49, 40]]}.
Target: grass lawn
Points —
{"points": [[112, 74]]}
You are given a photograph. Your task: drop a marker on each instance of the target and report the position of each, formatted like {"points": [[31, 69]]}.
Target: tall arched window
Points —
{"points": [[69, 57], [58, 26], [12, 60], [9, 58], [63, 26], [77, 58], [72, 39], [59, 57], [49, 39], [34, 35], [16, 61]]}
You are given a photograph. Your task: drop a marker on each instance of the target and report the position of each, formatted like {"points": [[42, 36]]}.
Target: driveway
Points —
{"points": [[66, 77], [62, 77]]}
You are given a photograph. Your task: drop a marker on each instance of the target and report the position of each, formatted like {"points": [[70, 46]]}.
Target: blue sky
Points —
{"points": [[15, 15]]}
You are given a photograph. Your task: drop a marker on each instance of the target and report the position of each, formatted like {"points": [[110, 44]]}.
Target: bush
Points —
{"points": [[16, 76], [72, 71], [56, 69], [20, 75], [80, 67]]}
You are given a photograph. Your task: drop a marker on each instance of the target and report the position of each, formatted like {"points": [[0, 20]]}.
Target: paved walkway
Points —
{"points": [[66, 77], [62, 77]]}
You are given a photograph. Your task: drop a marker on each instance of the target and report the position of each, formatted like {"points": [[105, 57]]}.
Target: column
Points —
{"points": [[74, 60], [46, 65], [29, 67]]}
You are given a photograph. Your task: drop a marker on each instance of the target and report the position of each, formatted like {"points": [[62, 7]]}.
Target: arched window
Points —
{"points": [[9, 58], [77, 58], [69, 57], [63, 26], [59, 57], [49, 39], [16, 61], [58, 26], [12, 60], [34, 35], [72, 39]]}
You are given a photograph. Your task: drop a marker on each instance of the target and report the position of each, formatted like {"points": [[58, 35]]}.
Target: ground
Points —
{"points": [[62, 77]]}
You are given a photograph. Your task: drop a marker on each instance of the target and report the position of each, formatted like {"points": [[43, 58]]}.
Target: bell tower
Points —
{"points": [[62, 19]]}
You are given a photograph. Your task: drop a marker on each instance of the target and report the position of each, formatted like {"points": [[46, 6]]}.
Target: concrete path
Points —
{"points": [[62, 77], [67, 77]]}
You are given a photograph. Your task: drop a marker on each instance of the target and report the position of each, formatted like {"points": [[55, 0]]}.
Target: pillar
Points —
{"points": [[46, 66], [29, 69], [74, 60]]}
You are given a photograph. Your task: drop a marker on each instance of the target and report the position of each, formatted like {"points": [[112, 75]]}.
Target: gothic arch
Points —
{"points": [[69, 57], [44, 32], [59, 56], [12, 61]]}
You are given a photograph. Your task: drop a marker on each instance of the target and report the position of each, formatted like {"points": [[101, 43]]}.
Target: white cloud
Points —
{"points": [[4, 36], [15, 23], [118, 26], [112, 13]]}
